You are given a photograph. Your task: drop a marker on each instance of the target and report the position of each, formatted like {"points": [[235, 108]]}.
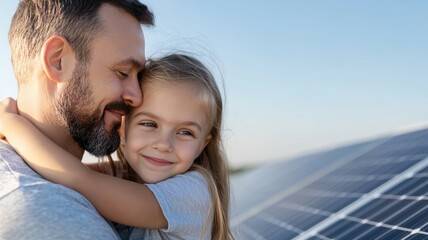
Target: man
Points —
{"points": [[77, 64]]}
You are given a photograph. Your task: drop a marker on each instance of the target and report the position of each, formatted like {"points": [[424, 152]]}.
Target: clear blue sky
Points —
{"points": [[299, 75]]}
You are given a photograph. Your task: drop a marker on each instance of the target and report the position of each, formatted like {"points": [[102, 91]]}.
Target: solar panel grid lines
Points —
{"points": [[276, 221], [279, 196], [413, 186], [369, 230], [288, 173], [415, 236], [354, 230], [375, 194], [381, 193], [248, 233]]}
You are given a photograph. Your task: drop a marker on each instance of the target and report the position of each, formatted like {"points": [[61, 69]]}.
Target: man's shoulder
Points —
{"points": [[19, 181], [33, 208], [50, 211], [13, 163]]}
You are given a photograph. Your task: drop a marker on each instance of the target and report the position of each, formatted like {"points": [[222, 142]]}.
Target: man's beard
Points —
{"points": [[87, 126]]}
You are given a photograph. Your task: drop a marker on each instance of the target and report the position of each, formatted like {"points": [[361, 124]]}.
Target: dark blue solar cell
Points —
{"points": [[404, 187], [393, 234], [417, 236], [373, 233], [389, 210], [417, 220], [307, 221], [422, 189], [257, 223], [280, 235], [354, 232], [406, 212], [370, 208], [269, 230], [298, 199], [281, 211], [297, 218], [368, 186], [337, 228], [328, 204], [346, 184], [315, 238], [396, 168], [337, 204]]}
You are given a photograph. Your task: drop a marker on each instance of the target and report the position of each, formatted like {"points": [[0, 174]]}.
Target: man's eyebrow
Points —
{"points": [[130, 62]]}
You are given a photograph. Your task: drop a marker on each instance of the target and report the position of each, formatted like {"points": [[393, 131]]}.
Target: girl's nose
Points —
{"points": [[163, 143]]}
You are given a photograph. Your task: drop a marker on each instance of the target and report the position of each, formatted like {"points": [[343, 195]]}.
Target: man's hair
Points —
{"points": [[76, 20]]}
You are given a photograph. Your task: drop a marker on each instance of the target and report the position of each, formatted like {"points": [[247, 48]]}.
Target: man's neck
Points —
{"points": [[40, 113]]}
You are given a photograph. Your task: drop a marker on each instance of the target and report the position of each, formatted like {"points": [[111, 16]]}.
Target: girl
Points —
{"points": [[171, 151]]}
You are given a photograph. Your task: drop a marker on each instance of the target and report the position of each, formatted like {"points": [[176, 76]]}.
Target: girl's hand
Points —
{"points": [[8, 106]]}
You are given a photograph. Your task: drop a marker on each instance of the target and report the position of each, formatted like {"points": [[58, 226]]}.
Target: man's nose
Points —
{"points": [[132, 92]]}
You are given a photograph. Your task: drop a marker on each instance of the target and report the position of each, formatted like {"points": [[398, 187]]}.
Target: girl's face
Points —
{"points": [[167, 132]]}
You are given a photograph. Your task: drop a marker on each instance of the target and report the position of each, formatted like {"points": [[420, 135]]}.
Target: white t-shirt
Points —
{"points": [[186, 203]]}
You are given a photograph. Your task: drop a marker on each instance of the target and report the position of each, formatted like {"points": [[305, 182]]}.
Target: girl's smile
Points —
{"points": [[158, 162]]}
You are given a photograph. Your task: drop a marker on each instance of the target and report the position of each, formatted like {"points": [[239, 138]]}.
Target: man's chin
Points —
{"points": [[104, 146], [113, 127]]}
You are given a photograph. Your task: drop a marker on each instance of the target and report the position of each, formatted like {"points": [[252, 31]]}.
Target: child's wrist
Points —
{"points": [[9, 120]]}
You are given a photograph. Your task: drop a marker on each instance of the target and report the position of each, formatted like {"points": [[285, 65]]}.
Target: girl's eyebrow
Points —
{"points": [[154, 116]]}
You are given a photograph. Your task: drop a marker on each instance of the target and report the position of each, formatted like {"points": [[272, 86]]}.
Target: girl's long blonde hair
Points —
{"points": [[212, 163]]}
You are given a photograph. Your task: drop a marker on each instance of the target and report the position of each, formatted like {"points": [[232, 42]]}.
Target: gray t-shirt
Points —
{"points": [[186, 203], [33, 208]]}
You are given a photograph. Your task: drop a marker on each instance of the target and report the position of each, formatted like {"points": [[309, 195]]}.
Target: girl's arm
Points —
{"points": [[93, 166], [118, 200]]}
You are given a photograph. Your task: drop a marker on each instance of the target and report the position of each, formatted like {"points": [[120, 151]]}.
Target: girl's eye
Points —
{"points": [[148, 124], [185, 132]]}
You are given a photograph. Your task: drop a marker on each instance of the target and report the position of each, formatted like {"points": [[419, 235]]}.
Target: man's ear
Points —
{"points": [[57, 59]]}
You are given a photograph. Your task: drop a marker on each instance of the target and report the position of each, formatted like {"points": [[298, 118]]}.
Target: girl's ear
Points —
{"points": [[207, 140], [57, 59]]}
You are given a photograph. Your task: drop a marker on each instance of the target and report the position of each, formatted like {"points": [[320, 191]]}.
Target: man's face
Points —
{"points": [[87, 126], [103, 90]]}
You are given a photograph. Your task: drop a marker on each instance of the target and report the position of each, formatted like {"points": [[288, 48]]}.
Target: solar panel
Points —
{"points": [[372, 190]]}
